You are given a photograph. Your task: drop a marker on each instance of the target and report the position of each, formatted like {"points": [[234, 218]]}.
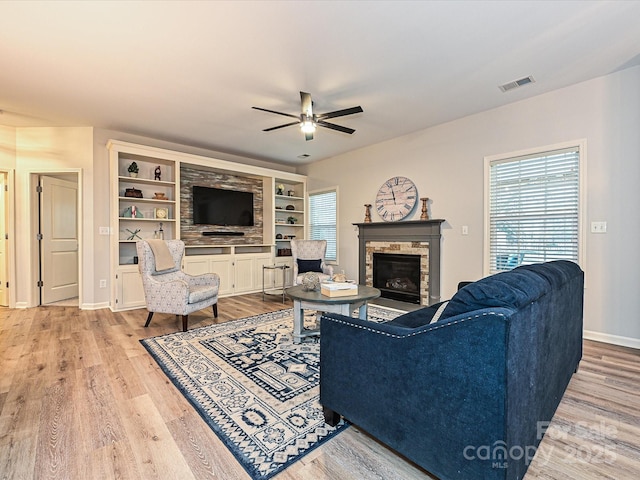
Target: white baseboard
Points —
{"points": [[614, 339], [94, 306], [85, 306]]}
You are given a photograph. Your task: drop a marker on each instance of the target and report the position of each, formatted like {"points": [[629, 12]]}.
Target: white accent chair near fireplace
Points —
{"points": [[308, 255]]}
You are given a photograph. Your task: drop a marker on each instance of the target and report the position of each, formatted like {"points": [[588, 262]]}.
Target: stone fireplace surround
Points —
{"points": [[415, 237]]}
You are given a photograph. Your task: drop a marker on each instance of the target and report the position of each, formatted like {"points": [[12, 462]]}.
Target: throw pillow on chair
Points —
{"points": [[309, 265]]}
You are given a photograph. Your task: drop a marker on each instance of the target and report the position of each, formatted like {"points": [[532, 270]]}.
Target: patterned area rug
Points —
{"points": [[253, 386]]}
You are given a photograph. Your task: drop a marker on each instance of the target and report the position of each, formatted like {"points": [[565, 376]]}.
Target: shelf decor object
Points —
{"points": [[134, 234], [162, 213], [133, 170], [133, 193], [425, 215]]}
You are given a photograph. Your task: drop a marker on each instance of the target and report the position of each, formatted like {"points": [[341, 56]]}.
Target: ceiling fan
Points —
{"points": [[308, 121]]}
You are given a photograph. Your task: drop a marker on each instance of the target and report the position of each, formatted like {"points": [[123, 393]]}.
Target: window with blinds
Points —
{"points": [[534, 209], [323, 220]]}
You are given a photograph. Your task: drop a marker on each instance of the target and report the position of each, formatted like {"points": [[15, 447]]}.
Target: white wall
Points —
{"points": [[7, 148], [446, 163]]}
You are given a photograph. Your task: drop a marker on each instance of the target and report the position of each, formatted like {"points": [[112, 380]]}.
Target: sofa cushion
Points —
{"points": [[417, 318], [557, 272], [512, 289]]}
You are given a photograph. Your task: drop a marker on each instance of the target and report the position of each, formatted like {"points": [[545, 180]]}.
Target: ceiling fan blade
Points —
{"points": [[340, 113], [308, 136], [333, 126], [306, 103], [281, 126], [277, 113]]}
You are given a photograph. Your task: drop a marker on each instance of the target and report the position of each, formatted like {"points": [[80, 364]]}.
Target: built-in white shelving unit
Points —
{"points": [[239, 266], [289, 214]]}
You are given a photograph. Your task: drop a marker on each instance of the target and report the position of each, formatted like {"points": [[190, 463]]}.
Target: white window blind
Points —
{"points": [[534, 209], [323, 220]]}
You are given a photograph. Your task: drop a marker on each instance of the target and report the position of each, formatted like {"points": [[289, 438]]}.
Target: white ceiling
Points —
{"points": [[189, 72]]}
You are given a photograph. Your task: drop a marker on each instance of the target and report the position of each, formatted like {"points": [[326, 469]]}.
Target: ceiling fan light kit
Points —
{"points": [[309, 121], [308, 125]]}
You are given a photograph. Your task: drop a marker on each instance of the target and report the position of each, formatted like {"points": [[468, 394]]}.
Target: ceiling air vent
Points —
{"points": [[516, 83]]}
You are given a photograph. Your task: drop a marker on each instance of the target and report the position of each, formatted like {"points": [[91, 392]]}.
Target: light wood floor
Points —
{"points": [[81, 399]]}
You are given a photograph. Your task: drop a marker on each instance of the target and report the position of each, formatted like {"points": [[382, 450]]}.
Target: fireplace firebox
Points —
{"points": [[397, 276]]}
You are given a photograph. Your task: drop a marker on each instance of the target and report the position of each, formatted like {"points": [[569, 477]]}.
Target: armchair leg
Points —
{"points": [[330, 417], [185, 321], [215, 310], [148, 319]]}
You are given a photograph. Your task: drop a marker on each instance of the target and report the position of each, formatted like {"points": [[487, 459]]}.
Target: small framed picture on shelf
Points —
{"points": [[162, 213]]}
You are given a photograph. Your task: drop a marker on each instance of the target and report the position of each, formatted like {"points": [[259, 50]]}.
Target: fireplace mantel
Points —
{"points": [[409, 231]]}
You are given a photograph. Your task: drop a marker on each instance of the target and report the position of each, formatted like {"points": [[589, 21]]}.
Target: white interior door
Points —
{"points": [[4, 272], [59, 245]]}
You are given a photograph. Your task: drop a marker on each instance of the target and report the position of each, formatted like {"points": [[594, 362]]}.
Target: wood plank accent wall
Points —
{"points": [[193, 234]]}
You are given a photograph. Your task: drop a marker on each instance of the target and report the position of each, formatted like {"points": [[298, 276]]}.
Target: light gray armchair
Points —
{"points": [[173, 291], [308, 255]]}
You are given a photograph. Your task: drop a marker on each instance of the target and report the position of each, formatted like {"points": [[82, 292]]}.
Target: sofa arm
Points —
{"points": [[398, 383]]}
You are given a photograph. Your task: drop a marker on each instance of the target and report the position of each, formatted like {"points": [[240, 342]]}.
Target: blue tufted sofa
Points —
{"points": [[470, 395]]}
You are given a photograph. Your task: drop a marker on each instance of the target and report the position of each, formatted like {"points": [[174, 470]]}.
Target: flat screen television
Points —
{"points": [[214, 206]]}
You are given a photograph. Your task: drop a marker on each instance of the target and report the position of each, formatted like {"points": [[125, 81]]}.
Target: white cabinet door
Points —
{"points": [[244, 273], [130, 293], [196, 265], [223, 266]]}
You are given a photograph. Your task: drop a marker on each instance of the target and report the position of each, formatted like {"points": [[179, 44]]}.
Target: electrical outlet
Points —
{"points": [[104, 230], [103, 283], [598, 227]]}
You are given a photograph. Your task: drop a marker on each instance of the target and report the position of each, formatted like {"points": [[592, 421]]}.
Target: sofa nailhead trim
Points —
{"points": [[435, 327]]}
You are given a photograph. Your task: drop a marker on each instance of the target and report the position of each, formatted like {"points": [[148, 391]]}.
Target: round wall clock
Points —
{"points": [[396, 198]]}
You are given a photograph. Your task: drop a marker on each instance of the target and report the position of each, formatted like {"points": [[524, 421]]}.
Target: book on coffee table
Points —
{"points": [[338, 289]]}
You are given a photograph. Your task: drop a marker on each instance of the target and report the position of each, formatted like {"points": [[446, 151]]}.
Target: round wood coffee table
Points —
{"points": [[306, 300]]}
